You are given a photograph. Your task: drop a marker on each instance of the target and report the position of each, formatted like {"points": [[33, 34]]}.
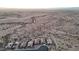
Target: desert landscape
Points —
{"points": [[29, 30]]}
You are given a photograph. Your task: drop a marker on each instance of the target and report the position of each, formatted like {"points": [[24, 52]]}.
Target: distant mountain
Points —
{"points": [[70, 9]]}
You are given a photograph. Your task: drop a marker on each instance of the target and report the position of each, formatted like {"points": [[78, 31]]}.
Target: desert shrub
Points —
{"points": [[1, 42], [5, 39]]}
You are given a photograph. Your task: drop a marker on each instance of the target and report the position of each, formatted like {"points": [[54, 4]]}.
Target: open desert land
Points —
{"points": [[24, 29]]}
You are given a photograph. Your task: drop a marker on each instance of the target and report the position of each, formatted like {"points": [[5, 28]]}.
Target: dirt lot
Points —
{"points": [[23, 29]]}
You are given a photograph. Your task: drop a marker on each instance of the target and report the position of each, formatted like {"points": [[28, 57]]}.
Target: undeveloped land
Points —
{"points": [[27, 29]]}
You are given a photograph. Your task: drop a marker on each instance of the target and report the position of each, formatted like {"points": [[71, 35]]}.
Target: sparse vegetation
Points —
{"points": [[24, 29]]}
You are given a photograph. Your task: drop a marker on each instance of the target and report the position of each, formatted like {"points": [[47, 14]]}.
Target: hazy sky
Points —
{"points": [[38, 3]]}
